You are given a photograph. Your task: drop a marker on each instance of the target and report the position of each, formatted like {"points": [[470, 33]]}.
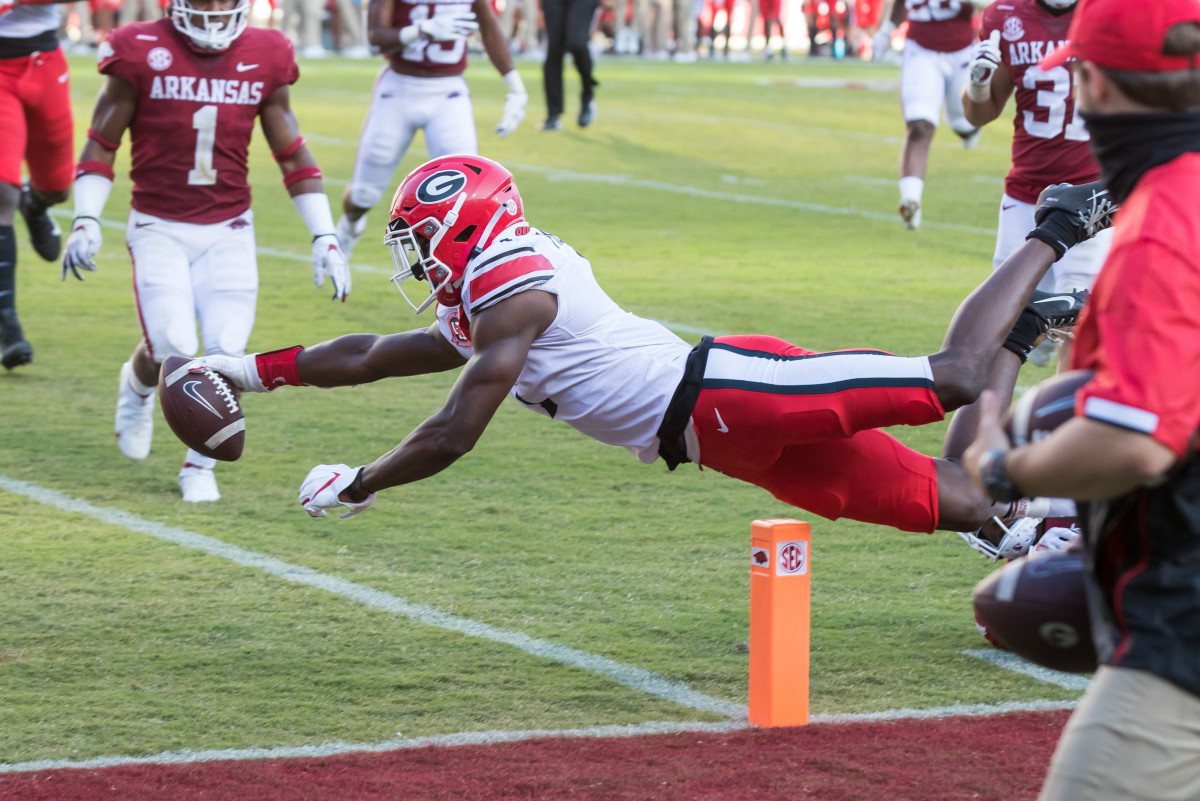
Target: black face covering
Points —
{"points": [[1130, 145]]}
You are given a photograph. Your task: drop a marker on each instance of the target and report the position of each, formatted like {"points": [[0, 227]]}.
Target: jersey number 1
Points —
{"points": [[205, 123]]}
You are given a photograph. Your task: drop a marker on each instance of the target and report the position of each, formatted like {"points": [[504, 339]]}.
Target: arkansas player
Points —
{"points": [[189, 89], [422, 88], [1050, 142], [36, 128], [932, 74]]}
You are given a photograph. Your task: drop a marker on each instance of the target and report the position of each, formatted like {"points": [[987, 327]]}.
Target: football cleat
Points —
{"points": [[1044, 353], [1056, 309], [44, 233], [14, 350], [910, 212], [134, 422], [587, 115], [551, 124], [996, 539], [198, 484], [348, 233]]}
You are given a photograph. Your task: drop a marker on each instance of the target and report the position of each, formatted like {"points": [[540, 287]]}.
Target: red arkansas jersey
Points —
{"points": [[941, 25], [195, 115], [422, 57], [1050, 143]]}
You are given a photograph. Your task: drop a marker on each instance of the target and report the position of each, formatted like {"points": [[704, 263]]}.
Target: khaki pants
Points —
{"points": [[1134, 736]]}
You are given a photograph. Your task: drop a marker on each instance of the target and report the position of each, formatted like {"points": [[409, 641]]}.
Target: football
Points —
{"points": [[1044, 408], [1037, 608], [202, 409]]}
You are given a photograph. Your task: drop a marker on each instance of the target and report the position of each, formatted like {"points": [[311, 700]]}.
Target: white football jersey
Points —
{"points": [[597, 368]]}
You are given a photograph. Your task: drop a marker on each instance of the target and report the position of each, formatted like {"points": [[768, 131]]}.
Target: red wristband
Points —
{"points": [[278, 367], [299, 174], [290, 150], [100, 140], [94, 167]]}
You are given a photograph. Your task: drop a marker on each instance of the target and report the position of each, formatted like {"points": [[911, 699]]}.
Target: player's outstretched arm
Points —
{"points": [[502, 335], [990, 83], [113, 114], [495, 44], [302, 178], [346, 361]]}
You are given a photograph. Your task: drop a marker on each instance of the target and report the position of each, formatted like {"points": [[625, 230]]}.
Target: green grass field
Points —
{"points": [[714, 197]]}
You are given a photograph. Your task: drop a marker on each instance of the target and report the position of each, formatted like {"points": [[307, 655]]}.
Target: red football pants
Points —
{"points": [[35, 121], [802, 425]]}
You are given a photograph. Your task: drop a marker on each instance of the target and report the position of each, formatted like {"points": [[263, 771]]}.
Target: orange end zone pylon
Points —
{"points": [[779, 621]]}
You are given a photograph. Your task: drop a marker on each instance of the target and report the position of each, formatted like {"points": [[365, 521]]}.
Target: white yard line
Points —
{"points": [[495, 737], [1010, 661], [628, 675]]}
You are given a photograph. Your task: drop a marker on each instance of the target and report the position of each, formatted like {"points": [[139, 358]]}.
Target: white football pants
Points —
{"points": [[929, 81], [1076, 270], [401, 106], [183, 272]]}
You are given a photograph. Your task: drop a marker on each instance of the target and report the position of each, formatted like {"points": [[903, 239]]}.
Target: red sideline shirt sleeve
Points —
{"points": [[1141, 332]]}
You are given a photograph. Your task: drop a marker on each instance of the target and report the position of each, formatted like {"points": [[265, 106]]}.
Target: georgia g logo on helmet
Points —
{"points": [[442, 185]]}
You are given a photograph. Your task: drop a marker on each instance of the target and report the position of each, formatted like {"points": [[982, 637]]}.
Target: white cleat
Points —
{"points": [[135, 418], [198, 484], [1044, 353], [349, 233], [910, 212], [972, 139]]}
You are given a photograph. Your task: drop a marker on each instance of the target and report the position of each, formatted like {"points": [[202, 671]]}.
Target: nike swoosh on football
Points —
{"points": [[189, 389], [243, 67]]}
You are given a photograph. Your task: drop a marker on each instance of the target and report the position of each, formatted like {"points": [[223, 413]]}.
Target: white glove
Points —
{"points": [[241, 371], [1056, 539], [329, 261], [82, 246], [984, 62], [448, 27], [881, 42], [322, 486], [514, 112]]}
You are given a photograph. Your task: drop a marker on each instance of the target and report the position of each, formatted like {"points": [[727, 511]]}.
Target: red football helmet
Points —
{"points": [[443, 215]]}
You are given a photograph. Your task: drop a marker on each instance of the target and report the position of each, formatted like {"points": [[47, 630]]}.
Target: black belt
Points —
{"points": [[20, 47], [671, 445]]}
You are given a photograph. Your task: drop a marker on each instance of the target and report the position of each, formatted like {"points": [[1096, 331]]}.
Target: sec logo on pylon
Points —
{"points": [[791, 558]]}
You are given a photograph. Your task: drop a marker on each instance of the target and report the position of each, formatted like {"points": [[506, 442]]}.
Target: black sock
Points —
{"points": [[8, 268], [36, 207], [1028, 328]]}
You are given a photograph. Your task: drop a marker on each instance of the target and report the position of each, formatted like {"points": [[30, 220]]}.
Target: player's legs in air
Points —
{"points": [[402, 105], [802, 424], [35, 128]]}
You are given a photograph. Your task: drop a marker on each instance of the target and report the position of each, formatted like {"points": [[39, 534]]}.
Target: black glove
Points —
{"points": [[1067, 215]]}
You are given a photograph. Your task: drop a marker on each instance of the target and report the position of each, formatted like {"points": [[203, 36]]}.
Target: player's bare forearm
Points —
{"points": [[364, 358], [1088, 460], [111, 117], [282, 131], [494, 42], [381, 32]]}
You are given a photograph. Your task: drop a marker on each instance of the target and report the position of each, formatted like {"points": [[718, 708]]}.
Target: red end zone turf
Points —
{"points": [[999, 758]]}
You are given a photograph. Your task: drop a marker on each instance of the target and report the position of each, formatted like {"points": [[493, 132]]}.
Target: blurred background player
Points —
{"points": [[36, 127], [568, 30], [933, 72], [422, 88], [1050, 142], [189, 89]]}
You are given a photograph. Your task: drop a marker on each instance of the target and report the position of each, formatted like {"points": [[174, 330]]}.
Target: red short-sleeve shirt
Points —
{"points": [[1141, 329]]}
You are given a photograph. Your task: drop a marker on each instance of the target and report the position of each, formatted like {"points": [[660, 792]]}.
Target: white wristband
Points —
{"points": [[512, 79], [408, 34], [91, 193], [979, 92], [314, 210]]}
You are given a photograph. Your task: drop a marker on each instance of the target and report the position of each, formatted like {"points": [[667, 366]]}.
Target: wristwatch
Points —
{"points": [[993, 474]]}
